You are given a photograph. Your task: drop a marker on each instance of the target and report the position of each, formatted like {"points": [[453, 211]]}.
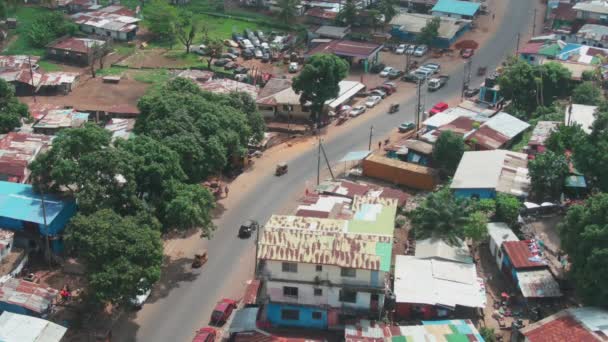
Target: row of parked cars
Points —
{"points": [[411, 49], [423, 73]]}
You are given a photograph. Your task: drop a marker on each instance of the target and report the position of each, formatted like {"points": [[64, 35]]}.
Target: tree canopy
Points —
{"points": [[584, 236], [507, 208], [123, 254], [288, 10], [587, 93], [447, 152], [591, 152], [11, 110], [429, 32], [348, 13], [565, 138], [49, 26], [548, 172], [161, 19], [319, 79], [388, 9]]}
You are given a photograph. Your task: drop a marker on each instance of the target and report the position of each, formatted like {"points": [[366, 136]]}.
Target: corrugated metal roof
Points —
{"points": [[434, 248], [307, 224], [500, 232], [81, 45], [587, 324], [519, 253], [17, 62], [62, 118], [28, 295], [113, 18], [227, 86], [467, 8], [17, 150], [19, 202], [582, 115], [447, 330], [415, 22], [21, 328], [542, 131], [347, 48], [537, 284]]}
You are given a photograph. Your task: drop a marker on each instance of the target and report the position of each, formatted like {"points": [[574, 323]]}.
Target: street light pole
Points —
{"points": [[371, 133]]}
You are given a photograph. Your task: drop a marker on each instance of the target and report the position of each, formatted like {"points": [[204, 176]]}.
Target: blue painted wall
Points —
{"points": [[481, 193], [4, 306], [57, 226], [437, 42], [273, 312]]}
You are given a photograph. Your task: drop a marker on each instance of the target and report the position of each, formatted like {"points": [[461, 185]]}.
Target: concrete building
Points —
{"points": [[17, 151], [483, 174], [456, 9], [592, 9], [366, 53], [498, 233], [583, 115], [449, 330], [319, 272], [21, 328], [407, 26], [575, 324], [116, 22]]}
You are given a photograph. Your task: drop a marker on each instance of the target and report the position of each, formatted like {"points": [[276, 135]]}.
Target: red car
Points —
{"points": [[438, 108], [205, 335], [467, 53], [223, 309]]}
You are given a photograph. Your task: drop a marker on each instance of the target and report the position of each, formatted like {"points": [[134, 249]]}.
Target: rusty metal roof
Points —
{"points": [[227, 86], [17, 150], [81, 45], [17, 62], [114, 18], [62, 118], [309, 224], [542, 131], [28, 295]]}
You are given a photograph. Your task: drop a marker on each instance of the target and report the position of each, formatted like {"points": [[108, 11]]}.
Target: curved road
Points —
{"points": [[184, 304]]}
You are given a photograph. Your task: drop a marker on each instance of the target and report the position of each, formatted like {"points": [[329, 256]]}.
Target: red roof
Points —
{"points": [[564, 328], [564, 12], [312, 213], [81, 45], [251, 292], [318, 12], [347, 48], [519, 254], [531, 48], [489, 138]]}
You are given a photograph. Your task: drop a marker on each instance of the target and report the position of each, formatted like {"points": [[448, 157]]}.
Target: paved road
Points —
{"points": [[178, 311]]}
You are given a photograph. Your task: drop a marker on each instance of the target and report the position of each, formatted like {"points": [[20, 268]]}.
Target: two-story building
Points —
{"points": [[594, 10], [319, 273]]}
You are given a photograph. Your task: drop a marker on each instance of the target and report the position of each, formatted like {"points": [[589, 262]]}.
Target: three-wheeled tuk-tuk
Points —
{"points": [[393, 108], [281, 169]]}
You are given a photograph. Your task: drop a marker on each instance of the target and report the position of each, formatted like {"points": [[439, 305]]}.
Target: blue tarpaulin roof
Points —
{"points": [[456, 7], [575, 181], [19, 202], [354, 155]]}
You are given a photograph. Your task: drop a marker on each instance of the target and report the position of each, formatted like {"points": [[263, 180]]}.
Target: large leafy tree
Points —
{"points": [[565, 138], [477, 227], [548, 172], [518, 84], [161, 19], [441, 215], [187, 206], [318, 81], [348, 13], [288, 10], [587, 93], [49, 26], [388, 9], [555, 81], [447, 152], [507, 208], [123, 255], [186, 29], [429, 32], [591, 153], [584, 236], [11, 110]]}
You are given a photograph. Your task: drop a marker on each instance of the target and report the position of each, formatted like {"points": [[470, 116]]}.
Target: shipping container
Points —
{"points": [[400, 173]]}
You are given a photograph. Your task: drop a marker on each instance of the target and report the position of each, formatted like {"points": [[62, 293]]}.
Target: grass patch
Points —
{"points": [[110, 71], [124, 49], [155, 76], [21, 44], [49, 66], [523, 142]]}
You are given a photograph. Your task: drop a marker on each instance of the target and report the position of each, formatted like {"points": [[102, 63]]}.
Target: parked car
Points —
{"points": [[357, 110], [386, 71], [420, 50], [261, 35], [388, 90], [221, 62], [406, 126], [222, 311], [265, 46], [230, 66], [394, 74], [206, 334], [247, 228], [467, 53], [230, 43], [436, 83], [400, 50], [247, 44], [471, 92], [432, 66], [228, 55], [248, 32], [234, 51], [376, 68], [241, 70], [293, 67], [411, 77], [255, 41], [438, 108], [378, 92], [410, 49], [427, 73], [237, 37], [138, 301], [240, 77], [372, 101], [391, 84], [258, 53]]}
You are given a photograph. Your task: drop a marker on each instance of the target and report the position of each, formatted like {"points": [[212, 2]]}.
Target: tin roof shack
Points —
{"points": [[407, 26], [498, 233], [26, 298], [120, 128], [450, 330], [351, 50], [591, 9], [482, 174], [540, 134], [578, 114], [412, 151], [500, 131], [587, 324], [350, 189], [17, 151], [430, 288], [400, 173], [113, 21], [456, 9], [21, 328], [77, 51], [18, 62], [523, 262], [21, 211], [49, 83], [227, 86], [56, 120]]}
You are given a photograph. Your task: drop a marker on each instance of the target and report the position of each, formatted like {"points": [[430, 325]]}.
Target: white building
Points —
{"points": [[594, 9], [22, 328], [499, 232], [578, 114]]}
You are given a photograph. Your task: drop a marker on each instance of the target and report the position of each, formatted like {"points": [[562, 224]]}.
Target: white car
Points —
{"points": [[378, 92], [293, 67], [386, 71], [140, 299], [265, 46], [240, 77], [400, 50], [410, 50], [372, 101], [201, 49], [247, 44], [432, 66], [357, 110], [421, 50]]}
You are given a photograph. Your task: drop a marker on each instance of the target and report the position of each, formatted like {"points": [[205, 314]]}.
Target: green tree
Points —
{"points": [[161, 19], [388, 9], [591, 158], [555, 81], [49, 26], [447, 152], [11, 110], [348, 13], [123, 255], [587, 93], [318, 81], [488, 334], [476, 228], [507, 209], [584, 236], [288, 11], [565, 138], [429, 32], [188, 206], [215, 47], [484, 205], [518, 84], [441, 215], [548, 172], [3, 10], [186, 29]]}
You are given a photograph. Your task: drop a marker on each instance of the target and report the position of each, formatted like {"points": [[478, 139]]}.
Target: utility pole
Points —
{"points": [[331, 172], [257, 241], [517, 47], [466, 77], [407, 62], [418, 104], [46, 229], [371, 133], [534, 23], [29, 61], [319, 163]]}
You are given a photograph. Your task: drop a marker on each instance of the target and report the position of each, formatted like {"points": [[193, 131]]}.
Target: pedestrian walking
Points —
{"points": [[493, 16], [379, 144], [226, 190]]}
